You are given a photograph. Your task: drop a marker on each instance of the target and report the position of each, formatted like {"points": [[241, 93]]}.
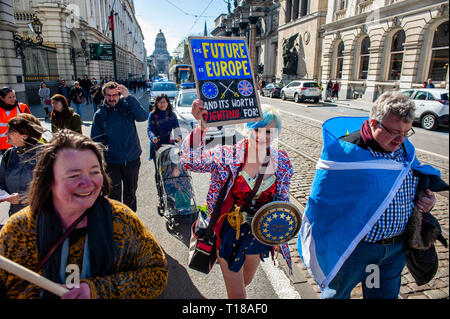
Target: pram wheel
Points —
{"points": [[172, 222], [160, 211]]}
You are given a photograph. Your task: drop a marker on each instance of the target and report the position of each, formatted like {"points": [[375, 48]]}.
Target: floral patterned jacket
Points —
{"points": [[223, 160]]}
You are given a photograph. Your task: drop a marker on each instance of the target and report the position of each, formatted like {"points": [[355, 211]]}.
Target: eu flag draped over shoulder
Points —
{"points": [[350, 192]]}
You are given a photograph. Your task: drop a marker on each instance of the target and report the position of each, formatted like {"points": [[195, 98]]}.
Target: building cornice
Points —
{"points": [[302, 20], [385, 14]]}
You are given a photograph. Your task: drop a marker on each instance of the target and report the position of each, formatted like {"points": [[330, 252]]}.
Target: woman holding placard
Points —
{"points": [[75, 236], [258, 174]]}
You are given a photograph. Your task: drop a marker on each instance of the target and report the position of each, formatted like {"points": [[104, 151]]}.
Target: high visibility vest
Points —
{"points": [[5, 116]]}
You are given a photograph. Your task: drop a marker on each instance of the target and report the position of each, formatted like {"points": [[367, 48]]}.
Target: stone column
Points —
{"points": [[252, 43], [411, 59], [56, 30], [11, 72]]}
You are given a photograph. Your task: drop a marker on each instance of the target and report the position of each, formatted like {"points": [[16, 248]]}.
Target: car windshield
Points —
{"points": [[310, 85], [164, 87], [444, 96], [186, 99], [278, 85]]}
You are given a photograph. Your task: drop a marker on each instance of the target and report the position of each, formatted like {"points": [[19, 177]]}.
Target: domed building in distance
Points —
{"points": [[161, 57]]}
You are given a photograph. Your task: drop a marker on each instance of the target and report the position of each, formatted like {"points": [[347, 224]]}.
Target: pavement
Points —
{"points": [[357, 104]]}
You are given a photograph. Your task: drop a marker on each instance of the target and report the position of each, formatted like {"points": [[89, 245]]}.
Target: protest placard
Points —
{"points": [[224, 80]]}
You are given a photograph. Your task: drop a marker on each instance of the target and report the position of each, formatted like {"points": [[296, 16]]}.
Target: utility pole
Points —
{"points": [[111, 27]]}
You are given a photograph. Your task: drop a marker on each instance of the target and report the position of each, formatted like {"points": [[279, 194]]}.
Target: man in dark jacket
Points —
{"points": [[64, 90], [86, 85], [114, 125], [97, 96]]}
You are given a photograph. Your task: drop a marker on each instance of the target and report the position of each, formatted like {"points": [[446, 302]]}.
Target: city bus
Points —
{"points": [[181, 73]]}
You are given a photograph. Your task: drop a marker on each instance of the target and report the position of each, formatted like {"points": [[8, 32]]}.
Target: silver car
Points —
{"points": [[168, 88], [431, 107], [301, 90], [182, 108]]}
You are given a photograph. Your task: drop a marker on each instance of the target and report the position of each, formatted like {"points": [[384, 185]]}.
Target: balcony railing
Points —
{"points": [[389, 2], [365, 6], [339, 15]]}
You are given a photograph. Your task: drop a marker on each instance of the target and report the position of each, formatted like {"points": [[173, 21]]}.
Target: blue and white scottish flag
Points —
{"points": [[350, 192]]}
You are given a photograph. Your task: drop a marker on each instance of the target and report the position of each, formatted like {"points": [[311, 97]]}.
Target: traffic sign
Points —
{"points": [[101, 51]]}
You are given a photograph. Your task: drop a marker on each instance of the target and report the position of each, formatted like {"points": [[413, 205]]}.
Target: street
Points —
{"points": [[271, 282]]}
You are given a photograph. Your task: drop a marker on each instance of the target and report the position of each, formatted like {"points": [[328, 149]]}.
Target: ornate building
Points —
{"points": [[376, 45], [299, 39], [68, 29], [257, 20], [161, 57]]}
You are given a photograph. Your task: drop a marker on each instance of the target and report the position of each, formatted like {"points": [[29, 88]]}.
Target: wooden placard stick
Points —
{"points": [[31, 276]]}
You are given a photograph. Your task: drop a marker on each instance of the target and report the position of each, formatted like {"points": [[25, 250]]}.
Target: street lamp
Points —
{"points": [[23, 42]]}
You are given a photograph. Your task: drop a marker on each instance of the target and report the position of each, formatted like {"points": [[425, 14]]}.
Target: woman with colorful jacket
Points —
{"points": [[239, 253]]}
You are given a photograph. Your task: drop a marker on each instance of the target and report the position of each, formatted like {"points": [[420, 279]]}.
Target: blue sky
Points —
{"points": [[176, 19]]}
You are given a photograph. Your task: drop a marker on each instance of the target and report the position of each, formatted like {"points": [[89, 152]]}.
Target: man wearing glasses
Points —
{"points": [[114, 125], [360, 202]]}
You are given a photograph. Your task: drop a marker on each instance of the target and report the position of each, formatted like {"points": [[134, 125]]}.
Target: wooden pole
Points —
{"points": [[31, 276]]}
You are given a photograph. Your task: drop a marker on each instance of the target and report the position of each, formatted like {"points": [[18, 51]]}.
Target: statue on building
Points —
{"points": [[290, 56]]}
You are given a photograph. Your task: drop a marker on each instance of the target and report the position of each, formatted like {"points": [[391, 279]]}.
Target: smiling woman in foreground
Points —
{"points": [[116, 255]]}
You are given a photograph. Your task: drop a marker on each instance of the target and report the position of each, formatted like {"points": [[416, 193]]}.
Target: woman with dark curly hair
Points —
{"points": [[63, 116]]}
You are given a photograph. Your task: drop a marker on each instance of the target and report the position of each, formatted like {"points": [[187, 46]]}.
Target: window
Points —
{"points": [[395, 69], [421, 96], [310, 85], [440, 53], [304, 6], [409, 93], [342, 4], [340, 60], [295, 10], [288, 10], [364, 59]]}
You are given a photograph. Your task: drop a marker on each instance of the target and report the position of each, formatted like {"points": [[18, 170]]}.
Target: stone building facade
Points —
{"points": [[299, 40], [69, 26], [257, 21], [372, 46], [11, 73], [161, 57]]}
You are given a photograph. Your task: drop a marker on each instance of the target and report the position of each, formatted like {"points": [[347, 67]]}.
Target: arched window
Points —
{"points": [[364, 58], [440, 55], [395, 70], [340, 60]]}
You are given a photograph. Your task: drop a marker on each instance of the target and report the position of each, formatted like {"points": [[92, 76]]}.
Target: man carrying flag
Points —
{"points": [[361, 199]]}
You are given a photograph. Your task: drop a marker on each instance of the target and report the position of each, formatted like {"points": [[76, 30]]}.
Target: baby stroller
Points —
{"points": [[174, 185]]}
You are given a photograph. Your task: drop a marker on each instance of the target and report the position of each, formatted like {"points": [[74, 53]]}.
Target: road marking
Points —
{"points": [[280, 283]]}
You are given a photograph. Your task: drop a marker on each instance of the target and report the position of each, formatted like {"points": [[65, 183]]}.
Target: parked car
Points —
{"points": [[158, 88], [431, 107], [272, 90], [183, 107], [301, 90]]}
